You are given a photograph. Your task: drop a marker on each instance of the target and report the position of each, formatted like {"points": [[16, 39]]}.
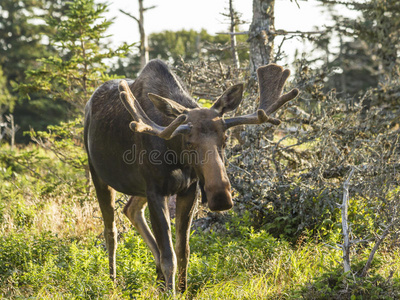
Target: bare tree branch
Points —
{"points": [[148, 8], [129, 15], [277, 32], [379, 240]]}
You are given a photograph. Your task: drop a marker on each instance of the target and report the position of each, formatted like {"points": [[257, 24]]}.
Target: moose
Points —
{"points": [[155, 117]]}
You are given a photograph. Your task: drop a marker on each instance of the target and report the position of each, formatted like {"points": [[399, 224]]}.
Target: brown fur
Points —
{"points": [[165, 120], [108, 139]]}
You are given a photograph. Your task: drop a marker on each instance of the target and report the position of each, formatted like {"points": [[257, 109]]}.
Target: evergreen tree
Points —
{"points": [[21, 36], [378, 27], [189, 45], [6, 99], [23, 40], [356, 71], [79, 67]]}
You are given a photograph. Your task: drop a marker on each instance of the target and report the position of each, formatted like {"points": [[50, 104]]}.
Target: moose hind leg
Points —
{"points": [[134, 210], [106, 198]]}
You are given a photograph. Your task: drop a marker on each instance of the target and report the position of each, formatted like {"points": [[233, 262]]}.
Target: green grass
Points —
{"points": [[51, 247], [256, 266]]}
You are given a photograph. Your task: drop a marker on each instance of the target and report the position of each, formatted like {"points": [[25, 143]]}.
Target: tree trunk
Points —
{"points": [[144, 47], [260, 37], [233, 18], [144, 44]]}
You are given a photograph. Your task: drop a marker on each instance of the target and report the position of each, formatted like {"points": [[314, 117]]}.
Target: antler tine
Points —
{"points": [[271, 80], [142, 123]]}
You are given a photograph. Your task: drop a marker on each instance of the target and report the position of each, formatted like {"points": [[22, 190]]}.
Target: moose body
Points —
{"points": [[142, 143]]}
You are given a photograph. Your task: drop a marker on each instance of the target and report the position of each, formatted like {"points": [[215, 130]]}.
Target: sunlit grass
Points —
{"points": [[51, 247], [222, 266]]}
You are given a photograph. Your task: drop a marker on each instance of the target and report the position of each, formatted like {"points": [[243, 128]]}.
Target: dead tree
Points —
{"points": [[144, 45], [345, 225], [348, 242], [261, 39], [9, 128], [234, 22], [262, 33]]}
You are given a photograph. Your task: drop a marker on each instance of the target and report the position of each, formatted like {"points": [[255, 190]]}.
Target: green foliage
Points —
{"points": [[287, 182], [33, 174], [23, 40], [371, 54], [21, 34], [79, 67], [356, 71], [380, 29], [190, 45], [183, 46], [65, 141], [51, 247], [44, 264], [38, 113], [6, 99], [334, 284], [243, 252]]}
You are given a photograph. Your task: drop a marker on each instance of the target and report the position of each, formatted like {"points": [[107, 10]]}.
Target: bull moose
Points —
{"points": [[152, 119]]}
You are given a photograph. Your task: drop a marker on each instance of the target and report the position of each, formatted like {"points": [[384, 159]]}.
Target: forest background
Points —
{"points": [[316, 212]]}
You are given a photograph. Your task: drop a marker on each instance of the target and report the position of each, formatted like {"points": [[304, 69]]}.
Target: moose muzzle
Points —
{"points": [[219, 196]]}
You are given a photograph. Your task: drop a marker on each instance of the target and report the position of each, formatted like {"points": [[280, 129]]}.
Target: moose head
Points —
{"points": [[203, 130]]}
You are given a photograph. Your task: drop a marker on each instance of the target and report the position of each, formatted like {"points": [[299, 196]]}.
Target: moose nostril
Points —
{"points": [[220, 201]]}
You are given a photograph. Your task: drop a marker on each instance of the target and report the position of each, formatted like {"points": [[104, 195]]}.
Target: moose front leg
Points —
{"points": [[160, 222], [185, 207]]}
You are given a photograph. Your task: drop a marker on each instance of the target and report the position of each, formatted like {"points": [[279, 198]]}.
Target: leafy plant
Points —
{"points": [[334, 284]]}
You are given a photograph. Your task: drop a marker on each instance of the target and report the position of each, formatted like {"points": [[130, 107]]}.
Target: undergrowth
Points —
{"points": [[51, 247]]}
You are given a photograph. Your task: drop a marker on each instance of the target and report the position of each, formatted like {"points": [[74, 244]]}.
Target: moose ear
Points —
{"points": [[229, 100], [167, 106]]}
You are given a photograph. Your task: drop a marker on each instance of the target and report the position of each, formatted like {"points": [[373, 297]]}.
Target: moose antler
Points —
{"points": [[142, 123], [271, 79]]}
